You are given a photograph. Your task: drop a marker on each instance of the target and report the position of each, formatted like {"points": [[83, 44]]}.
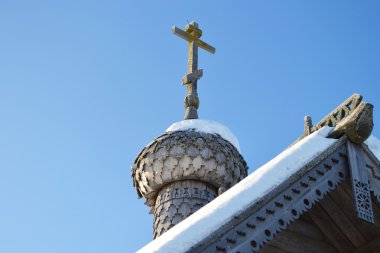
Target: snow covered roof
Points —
{"points": [[207, 126], [261, 182]]}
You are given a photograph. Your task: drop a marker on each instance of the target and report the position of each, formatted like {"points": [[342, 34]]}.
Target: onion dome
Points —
{"points": [[193, 161], [185, 168]]}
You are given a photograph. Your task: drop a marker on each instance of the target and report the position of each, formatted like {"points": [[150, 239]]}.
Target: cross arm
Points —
{"points": [[186, 36], [182, 34], [206, 46], [197, 74]]}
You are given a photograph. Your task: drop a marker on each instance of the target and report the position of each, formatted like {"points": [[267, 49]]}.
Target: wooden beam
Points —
{"points": [[306, 228], [330, 230], [376, 207], [206, 46], [272, 249], [344, 224], [345, 202], [371, 247], [297, 243], [182, 34], [186, 36]]}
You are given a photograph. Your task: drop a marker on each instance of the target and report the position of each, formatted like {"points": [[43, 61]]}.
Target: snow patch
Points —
{"points": [[212, 216], [206, 126], [374, 145]]}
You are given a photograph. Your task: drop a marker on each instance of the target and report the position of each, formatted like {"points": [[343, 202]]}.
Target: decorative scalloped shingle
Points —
{"points": [[201, 162]]}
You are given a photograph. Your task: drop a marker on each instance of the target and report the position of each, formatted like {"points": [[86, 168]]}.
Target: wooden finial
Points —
{"points": [[308, 124], [192, 34]]}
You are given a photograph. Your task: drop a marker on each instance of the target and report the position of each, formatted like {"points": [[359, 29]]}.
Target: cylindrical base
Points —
{"points": [[177, 201], [191, 113]]}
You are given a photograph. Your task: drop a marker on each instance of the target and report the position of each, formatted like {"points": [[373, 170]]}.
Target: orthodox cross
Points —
{"points": [[192, 34]]}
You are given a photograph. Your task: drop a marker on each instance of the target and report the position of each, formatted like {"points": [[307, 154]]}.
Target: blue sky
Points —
{"points": [[84, 85]]}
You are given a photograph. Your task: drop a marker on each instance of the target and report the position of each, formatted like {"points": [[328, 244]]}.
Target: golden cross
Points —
{"points": [[192, 34]]}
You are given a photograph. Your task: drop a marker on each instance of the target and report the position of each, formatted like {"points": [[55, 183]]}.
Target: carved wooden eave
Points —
{"points": [[259, 224], [354, 118], [328, 202], [348, 160]]}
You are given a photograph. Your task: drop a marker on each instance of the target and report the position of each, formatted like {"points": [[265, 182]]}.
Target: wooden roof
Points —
{"points": [[329, 204], [314, 211], [330, 226]]}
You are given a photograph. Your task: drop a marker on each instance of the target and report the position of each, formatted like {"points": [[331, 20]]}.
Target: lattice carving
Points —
{"points": [[179, 200], [373, 170], [360, 182], [353, 118], [363, 201], [339, 113], [264, 223]]}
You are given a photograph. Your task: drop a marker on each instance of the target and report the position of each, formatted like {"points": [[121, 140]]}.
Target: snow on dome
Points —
{"points": [[206, 126], [190, 231], [374, 145]]}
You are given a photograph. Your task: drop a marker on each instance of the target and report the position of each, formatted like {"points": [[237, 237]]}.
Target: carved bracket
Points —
{"points": [[372, 165], [360, 182]]}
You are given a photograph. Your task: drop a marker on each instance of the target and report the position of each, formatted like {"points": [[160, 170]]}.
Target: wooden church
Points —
{"points": [[321, 194]]}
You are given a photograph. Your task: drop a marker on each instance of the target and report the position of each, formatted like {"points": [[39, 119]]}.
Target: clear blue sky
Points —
{"points": [[84, 85]]}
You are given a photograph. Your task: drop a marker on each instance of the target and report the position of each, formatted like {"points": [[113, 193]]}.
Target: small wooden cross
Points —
{"points": [[192, 34]]}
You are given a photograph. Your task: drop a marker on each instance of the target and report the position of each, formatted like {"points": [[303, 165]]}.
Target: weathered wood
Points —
{"points": [[371, 247], [339, 113], [297, 243], [181, 33], [270, 215], [376, 209], [333, 118], [345, 202], [330, 230], [345, 224], [272, 249], [192, 34], [357, 126], [308, 124], [187, 36], [179, 172], [306, 228], [347, 187], [357, 159], [359, 180], [353, 118], [193, 76], [206, 46], [373, 170], [178, 200]]}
